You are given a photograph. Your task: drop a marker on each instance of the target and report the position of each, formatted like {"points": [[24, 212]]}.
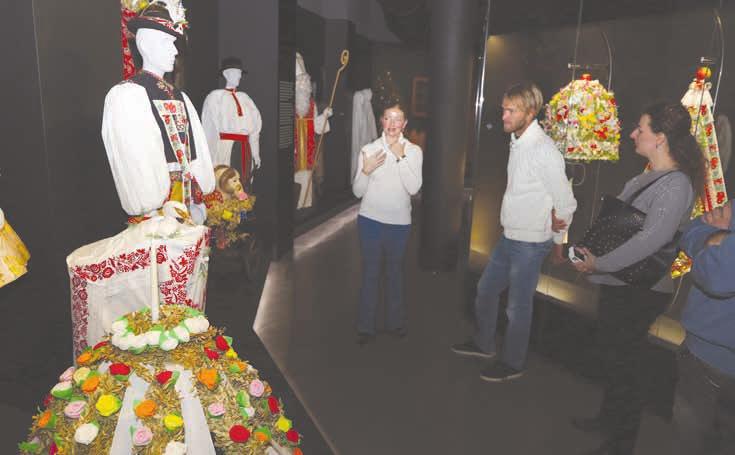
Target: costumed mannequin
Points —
{"points": [[364, 130], [154, 140], [160, 162], [232, 122], [307, 125], [13, 253]]}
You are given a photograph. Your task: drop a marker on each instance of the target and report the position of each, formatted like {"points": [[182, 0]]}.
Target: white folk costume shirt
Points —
{"points": [[220, 114], [386, 192], [143, 160], [537, 182]]}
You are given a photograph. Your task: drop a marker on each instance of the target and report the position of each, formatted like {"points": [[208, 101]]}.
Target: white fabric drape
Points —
{"points": [[364, 130]]}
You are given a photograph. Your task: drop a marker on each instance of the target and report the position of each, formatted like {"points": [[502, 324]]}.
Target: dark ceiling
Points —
{"points": [[409, 19]]}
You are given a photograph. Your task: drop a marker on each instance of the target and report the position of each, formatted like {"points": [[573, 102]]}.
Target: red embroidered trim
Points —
{"points": [[173, 290]]}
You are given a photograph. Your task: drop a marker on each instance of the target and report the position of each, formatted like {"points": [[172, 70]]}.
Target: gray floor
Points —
{"points": [[411, 396]]}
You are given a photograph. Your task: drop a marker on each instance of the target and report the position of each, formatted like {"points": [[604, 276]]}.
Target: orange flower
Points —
{"points": [[44, 420], [145, 409], [90, 384], [84, 358], [208, 377], [297, 451]]}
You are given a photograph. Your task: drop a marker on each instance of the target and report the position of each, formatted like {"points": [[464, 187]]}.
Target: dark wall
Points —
{"points": [[202, 58]]}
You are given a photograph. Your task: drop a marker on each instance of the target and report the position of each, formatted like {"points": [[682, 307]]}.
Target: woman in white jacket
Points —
{"points": [[389, 173]]}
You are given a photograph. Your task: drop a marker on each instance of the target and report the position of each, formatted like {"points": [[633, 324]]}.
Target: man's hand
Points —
{"points": [[557, 254], [557, 224], [372, 162], [256, 160], [719, 217]]}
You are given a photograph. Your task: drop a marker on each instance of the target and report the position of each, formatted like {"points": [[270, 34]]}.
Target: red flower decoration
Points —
{"points": [[273, 404], [100, 344], [720, 197], [164, 377], [48, 400], [108, 272], [213, 355], [239, 433], [119, 369], [53, 450], [293, 436], [221, 343]]}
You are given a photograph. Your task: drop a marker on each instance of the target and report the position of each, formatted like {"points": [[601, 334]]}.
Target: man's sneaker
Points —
{"points": [[471, 349], [499, 372]]}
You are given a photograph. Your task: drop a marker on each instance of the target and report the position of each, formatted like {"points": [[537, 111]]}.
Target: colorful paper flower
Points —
{"points": [[273, 404], [90, 384], [211, 355], [257, 388], [263, 434], [84, 358], [173, 422], [142, 436], [239, 434], [221, 343], [63, 390], [86, 433], [67, 375], [164, 376], [146, 408], [120, 371], [175, 448], [216, 410], [283, 424], [108, 405], [75, 409], [209, 377], [47, 420], [81, 375], [293, 436]]}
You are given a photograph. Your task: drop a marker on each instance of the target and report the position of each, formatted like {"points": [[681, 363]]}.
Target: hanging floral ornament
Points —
{"points": [[698, 102], [582, 119]]}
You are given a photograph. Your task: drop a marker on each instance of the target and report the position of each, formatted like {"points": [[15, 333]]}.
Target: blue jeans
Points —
{"points": [[379, 241], [514, 265]]}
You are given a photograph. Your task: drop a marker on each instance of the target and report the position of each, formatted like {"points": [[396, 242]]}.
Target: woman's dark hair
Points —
{"points": [[674, 121], [397, 105]]}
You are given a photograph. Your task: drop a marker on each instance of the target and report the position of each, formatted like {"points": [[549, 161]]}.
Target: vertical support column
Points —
{"points": [[451, 86]]}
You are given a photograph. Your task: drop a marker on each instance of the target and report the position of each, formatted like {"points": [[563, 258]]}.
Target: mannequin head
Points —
{"points": [[232, 77], [157, 49]]}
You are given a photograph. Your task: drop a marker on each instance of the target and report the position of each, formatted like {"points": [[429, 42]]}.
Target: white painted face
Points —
{"points": [[157, 49], [232, 77]]}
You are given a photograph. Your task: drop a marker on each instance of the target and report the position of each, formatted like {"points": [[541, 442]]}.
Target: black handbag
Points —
{"points": [[617, 222]]}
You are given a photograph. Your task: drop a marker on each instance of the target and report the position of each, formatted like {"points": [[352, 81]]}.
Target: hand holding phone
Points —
{"points": [[575, 256]]}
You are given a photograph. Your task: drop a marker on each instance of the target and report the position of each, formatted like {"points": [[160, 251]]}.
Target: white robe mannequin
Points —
{"points": [[220, 115]]}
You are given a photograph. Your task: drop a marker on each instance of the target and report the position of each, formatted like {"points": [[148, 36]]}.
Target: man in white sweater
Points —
{"points": [[537, 193]]}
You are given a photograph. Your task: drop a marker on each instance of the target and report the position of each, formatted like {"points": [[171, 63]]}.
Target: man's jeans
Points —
{"points": [[704, 408], [514, 265]]}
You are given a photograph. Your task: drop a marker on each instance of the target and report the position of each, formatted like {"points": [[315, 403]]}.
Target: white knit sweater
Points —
{"points": [[386, 192], [537, 183]]}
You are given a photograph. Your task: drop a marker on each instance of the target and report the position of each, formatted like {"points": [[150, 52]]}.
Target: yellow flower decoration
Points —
{"points": [[283, 424], [231, 354], [108, 405], [172, 422]]}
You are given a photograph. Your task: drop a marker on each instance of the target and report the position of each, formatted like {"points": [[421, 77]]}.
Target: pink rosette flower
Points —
{"points": [[67, 375], [257, 388], [216, 409], [142, 436], [74, 409]]}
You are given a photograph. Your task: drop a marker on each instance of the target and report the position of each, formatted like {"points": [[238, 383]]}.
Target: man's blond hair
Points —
{"points": [[527, 95]]}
